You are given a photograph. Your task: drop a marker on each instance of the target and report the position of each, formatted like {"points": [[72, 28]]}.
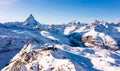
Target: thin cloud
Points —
{"points": [[6, 2]]}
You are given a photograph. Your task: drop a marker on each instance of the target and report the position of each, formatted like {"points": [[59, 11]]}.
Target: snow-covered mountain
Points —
{"points": [[32, 46]]}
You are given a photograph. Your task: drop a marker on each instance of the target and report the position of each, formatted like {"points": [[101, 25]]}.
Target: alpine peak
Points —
{"points": [[30, 20], [96, 21]]}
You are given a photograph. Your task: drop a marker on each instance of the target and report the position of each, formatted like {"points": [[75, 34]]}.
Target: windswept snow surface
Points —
{"points": [[64, 58], [31, 46]]}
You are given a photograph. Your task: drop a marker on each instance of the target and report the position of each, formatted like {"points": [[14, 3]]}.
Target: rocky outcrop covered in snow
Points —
{"points": [[63, 58], [69, 47], [42, 59]]}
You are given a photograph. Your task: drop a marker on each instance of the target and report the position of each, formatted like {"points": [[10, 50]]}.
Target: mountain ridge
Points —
{"points": [[77, 44]]}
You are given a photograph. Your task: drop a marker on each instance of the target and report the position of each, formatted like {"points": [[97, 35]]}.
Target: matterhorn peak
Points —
{"points": [[30, 20], [31, 16]]}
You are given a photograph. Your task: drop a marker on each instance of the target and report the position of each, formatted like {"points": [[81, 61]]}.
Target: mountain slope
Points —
{"points": [[76, 46], [63, 57]]}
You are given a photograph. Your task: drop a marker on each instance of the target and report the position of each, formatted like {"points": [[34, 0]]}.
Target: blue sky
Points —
{"points": [[60, 11]]}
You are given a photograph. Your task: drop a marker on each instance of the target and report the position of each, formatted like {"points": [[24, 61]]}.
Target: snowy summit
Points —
{"points": [[30, 20], [31, 46]]}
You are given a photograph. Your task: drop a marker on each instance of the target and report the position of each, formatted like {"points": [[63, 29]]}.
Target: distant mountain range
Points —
{"points": [[32, 46]]}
